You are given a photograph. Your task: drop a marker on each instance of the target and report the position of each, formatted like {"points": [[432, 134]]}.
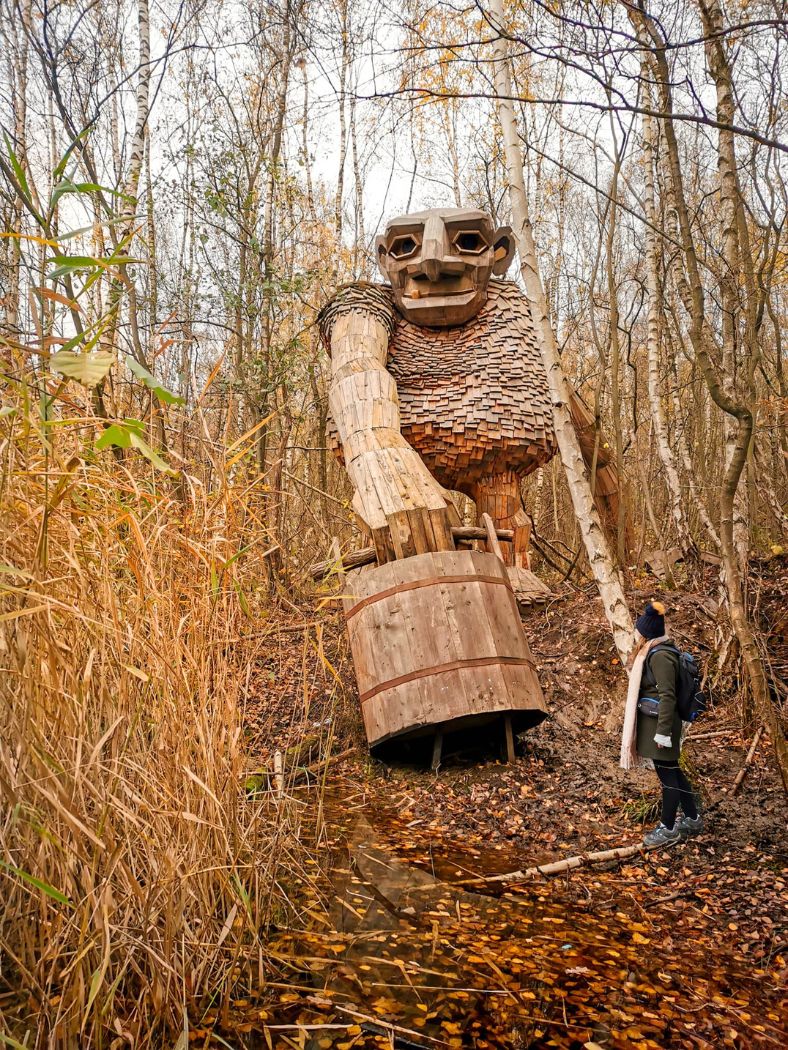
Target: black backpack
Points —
{"points": [[690, 699]]}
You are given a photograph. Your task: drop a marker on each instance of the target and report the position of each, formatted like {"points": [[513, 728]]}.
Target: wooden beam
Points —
{"points": [[491, 536], [366, 555]]}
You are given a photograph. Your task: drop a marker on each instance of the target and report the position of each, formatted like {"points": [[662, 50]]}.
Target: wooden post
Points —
{"points": [[521, 539], [507, 725], [492, 537], [437, 749]]}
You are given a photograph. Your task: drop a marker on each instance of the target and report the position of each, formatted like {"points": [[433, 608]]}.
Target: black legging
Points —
{"points": [[676, 789]]}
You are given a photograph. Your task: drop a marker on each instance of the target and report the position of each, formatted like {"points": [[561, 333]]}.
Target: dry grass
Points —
{"points": [[136, 882]]}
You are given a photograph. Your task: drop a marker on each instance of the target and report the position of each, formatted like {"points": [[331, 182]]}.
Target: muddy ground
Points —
{"points": [[712, 913], [565, 792]]}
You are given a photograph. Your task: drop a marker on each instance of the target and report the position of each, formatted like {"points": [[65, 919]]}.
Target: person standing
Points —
{"points": [[653, 726]]}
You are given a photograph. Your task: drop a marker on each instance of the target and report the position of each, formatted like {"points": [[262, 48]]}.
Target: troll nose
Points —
{"points": [[433, 248], [432, 266]]}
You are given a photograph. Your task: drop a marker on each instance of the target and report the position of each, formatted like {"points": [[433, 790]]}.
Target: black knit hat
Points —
{"points": [[651, 624]]}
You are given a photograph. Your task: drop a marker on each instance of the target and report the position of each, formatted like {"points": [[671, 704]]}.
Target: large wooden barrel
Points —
{"points": [[437, 643]]}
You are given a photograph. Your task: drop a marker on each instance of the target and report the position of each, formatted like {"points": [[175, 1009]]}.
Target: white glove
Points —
{"points": [[663, 741]]}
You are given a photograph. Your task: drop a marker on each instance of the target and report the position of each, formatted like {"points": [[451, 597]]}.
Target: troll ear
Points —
{"points": [[503, 248], [380, 254]]}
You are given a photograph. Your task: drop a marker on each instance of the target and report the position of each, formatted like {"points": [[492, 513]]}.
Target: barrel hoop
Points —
{"points": [[455, 665], [415, 585]]}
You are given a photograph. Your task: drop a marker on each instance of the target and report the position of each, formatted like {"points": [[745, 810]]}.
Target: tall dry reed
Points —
{"points": [[136, 881]]}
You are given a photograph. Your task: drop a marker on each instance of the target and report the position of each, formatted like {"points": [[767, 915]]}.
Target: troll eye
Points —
{"points": [[402, 247], [471, 242]]}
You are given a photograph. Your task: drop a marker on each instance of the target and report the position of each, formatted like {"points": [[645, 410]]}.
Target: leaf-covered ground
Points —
{"points": [[684, 947]]}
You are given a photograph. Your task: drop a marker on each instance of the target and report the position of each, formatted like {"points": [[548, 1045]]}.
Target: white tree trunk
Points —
{"points": [[653, 339], [343, 75], [129, 209], [15, 38], [137, 151], [599, 554], [698, 500]]}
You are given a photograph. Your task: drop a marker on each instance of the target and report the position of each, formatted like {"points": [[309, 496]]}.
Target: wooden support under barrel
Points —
{"points": [[437, 749], [509, 737]]}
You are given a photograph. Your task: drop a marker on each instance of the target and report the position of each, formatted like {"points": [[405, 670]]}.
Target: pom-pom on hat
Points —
{"points": [[651, 623]]}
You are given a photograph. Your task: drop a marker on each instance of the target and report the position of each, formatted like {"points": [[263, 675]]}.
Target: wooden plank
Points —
{"points": [[387, 492], [386, 639], [470, 629], [400, 648], [523, 688], [518, 684], [362, 639], [393, 711], [363, 634], [449, 644], [528, 588], [432, 644], [401, 535], [506, 628], [384, 547], [433, 543], [441, 530]]}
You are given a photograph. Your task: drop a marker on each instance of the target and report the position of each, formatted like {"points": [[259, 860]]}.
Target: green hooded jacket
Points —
{"points": [[660, 683]]}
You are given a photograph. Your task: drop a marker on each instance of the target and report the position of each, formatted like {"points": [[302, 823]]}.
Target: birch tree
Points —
{"points": [[654, 340], [709, 349], [600, 556]]}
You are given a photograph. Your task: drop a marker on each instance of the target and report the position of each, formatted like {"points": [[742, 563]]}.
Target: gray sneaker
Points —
{"points": [[687, 826], [662, 836]]}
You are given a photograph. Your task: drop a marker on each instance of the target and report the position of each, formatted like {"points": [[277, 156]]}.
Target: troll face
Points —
{"points": [[440, 261]]}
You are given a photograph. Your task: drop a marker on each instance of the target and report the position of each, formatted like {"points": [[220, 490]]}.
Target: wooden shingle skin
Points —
{"points": [[473, 399]]}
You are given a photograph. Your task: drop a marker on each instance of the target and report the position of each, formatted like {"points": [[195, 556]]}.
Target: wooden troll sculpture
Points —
{"points": [[437, 383]]}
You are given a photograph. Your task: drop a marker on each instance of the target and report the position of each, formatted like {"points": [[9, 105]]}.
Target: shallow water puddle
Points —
{"points": [[409, 959]]}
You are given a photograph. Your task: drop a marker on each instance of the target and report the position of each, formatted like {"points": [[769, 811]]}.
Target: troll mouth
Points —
{"points": [[420, 286]]}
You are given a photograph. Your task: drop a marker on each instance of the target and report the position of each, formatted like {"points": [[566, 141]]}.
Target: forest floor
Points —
{"points": [[403, 946]]}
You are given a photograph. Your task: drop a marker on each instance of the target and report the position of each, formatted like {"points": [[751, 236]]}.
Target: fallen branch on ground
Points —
{"points": [[568, 863], [750, 755], [287, 628], [378, 1022], [691, 737], [324, 763], [554, 868], [256, 780]]}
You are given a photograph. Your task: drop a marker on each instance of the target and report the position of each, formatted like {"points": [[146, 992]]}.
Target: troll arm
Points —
{"points": [[404, 507]]}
